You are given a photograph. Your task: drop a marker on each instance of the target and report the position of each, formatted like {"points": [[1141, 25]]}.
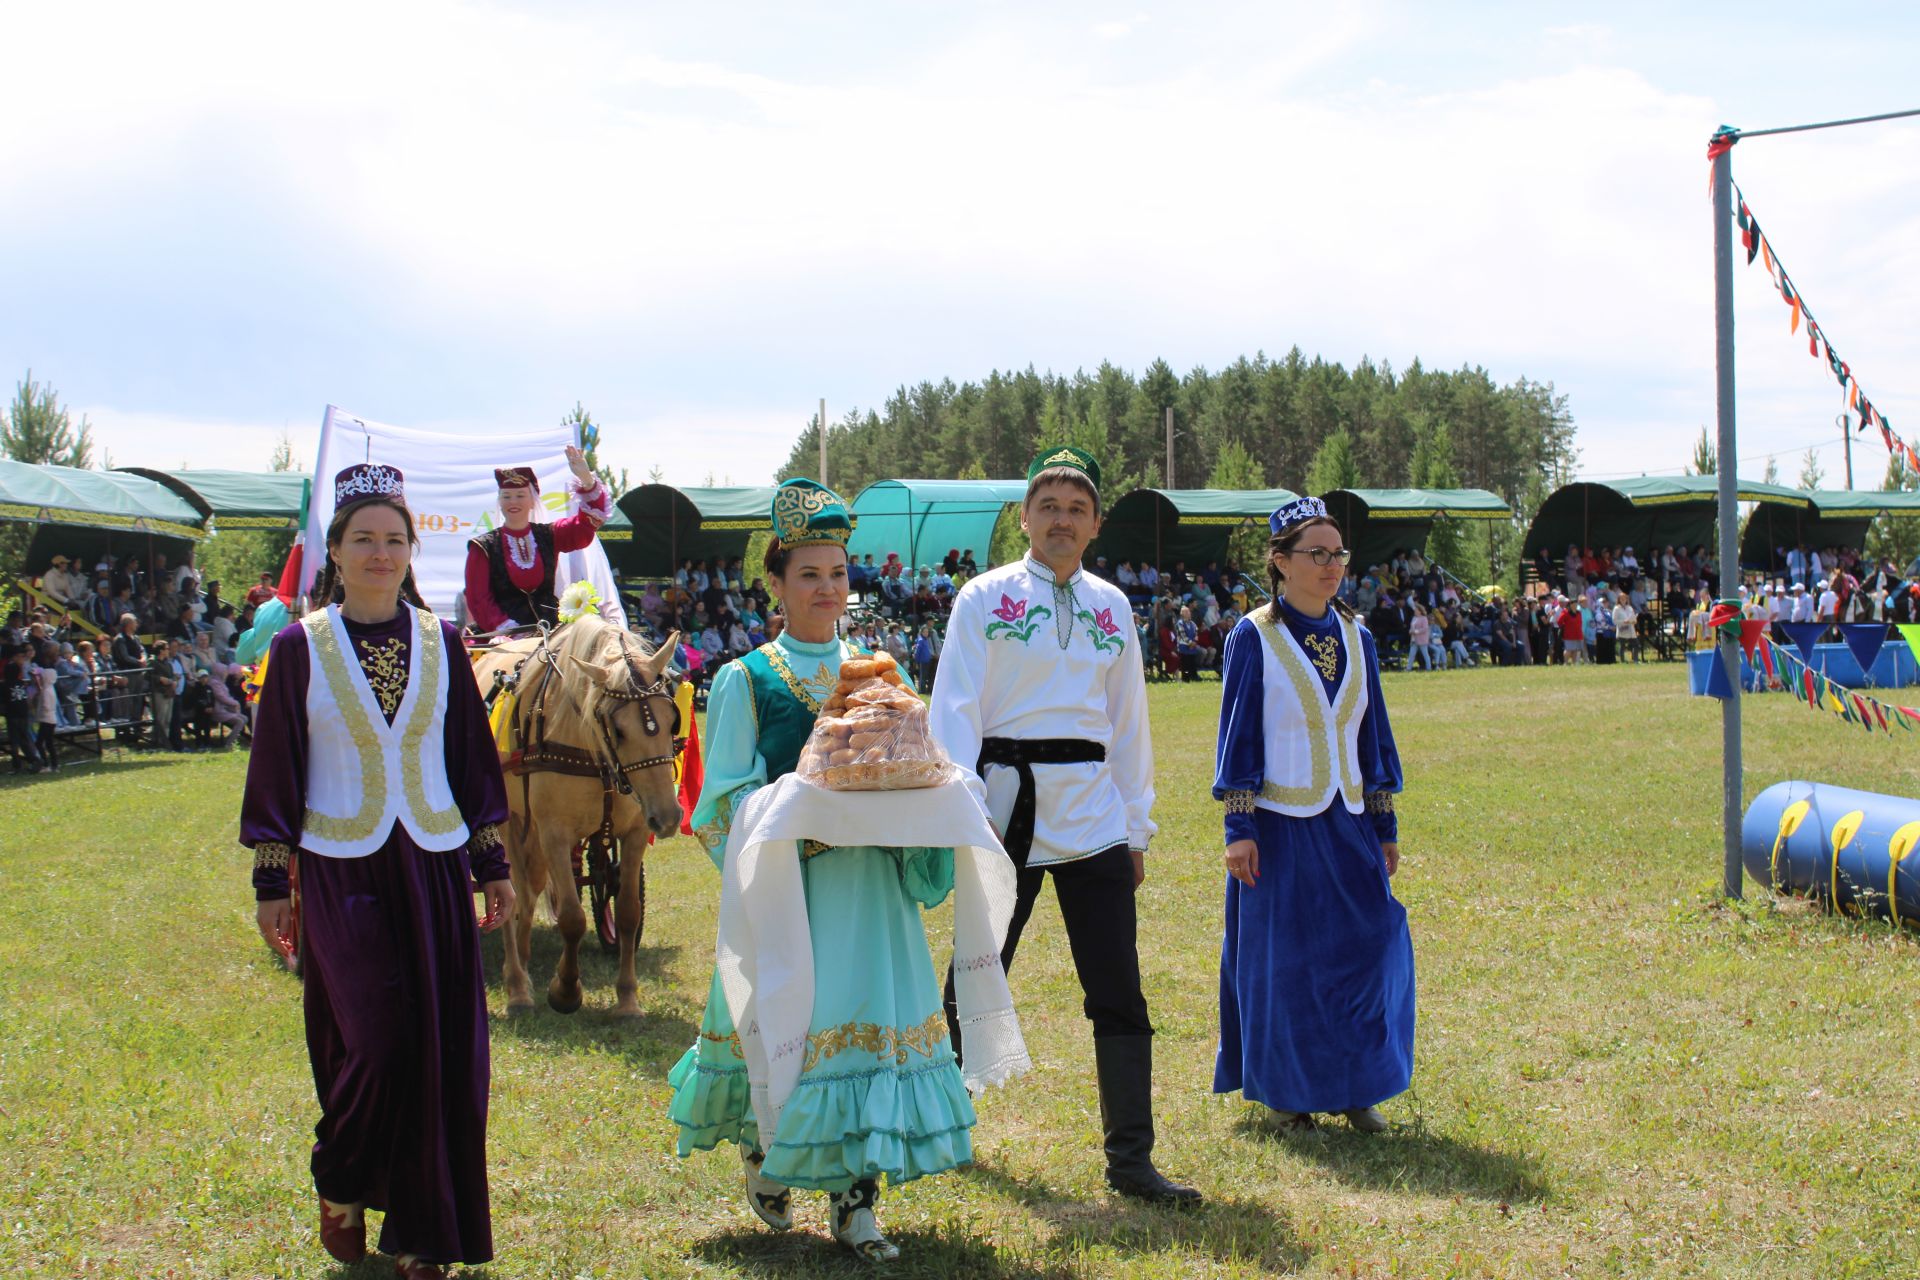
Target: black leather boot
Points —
{"points": [[1125, 1066]]}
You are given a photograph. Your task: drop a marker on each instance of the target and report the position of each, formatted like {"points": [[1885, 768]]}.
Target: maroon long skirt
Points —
{"points": [[397, 1030]]}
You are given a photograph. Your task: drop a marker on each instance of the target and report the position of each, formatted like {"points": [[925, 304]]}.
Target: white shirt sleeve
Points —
{"points": [[1131, 756], [954, 719]]}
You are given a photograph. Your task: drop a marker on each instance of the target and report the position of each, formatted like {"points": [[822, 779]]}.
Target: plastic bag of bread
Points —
{"points": [[872, 734]]}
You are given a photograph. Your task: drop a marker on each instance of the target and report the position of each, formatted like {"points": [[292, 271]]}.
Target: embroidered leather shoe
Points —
{"points": [[343, 1230], [855, 1226], [1366, 1119], [771, 1202]]}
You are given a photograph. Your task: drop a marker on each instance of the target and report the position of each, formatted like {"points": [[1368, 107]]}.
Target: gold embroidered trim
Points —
{"points": [[331, 657], [385, 667], [881, 1042], [813, 848], [731, 1041], [1379, 802], [873, 1038], [271, 855], [325, 642], [1325, 651], [811, 693], [713, 835], [1239, 801], [432, 654], [488, 837], [1312, 704]]}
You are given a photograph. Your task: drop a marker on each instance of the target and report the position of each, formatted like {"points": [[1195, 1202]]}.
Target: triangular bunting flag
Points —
{"points": [[1864, 640], [1804, 636]]}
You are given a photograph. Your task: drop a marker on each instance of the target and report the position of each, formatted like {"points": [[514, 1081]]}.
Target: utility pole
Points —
{"points": [[1846, 438], [823, 440], [1170, 483]]}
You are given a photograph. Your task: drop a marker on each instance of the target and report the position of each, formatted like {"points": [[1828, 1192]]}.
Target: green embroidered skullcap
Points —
{"points": [[807, 514], [1066, 456]]}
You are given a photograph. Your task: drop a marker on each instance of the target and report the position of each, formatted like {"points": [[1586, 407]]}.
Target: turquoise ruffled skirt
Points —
{"points": [[880, 1091]]}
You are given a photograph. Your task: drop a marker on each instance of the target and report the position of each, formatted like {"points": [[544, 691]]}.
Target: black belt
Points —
{"points": [[1021, 754]]}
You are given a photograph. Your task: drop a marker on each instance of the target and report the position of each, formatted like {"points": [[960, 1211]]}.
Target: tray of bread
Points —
{"points": [[872, 734]]}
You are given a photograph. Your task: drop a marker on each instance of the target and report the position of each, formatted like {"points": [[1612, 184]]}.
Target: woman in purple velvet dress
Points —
{"points": [[373, 798]]}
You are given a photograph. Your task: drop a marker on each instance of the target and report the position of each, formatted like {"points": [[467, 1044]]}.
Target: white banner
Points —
{"points": [[451, 493]]}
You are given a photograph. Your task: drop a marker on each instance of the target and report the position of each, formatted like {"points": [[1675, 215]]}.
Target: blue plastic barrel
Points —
{"points": [[1853, 850]]}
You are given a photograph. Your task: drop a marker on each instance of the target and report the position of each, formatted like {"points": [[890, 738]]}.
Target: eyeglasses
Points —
{"points": [[1322, 556]]}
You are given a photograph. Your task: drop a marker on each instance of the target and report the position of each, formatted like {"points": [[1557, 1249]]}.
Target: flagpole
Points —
{"points": [[1726, 465]]}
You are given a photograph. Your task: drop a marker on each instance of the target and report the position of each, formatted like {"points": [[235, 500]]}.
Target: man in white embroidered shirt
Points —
{"points": [[1041, 684]]}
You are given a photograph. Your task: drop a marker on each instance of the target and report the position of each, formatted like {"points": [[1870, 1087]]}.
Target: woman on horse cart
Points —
{"points": [[379, 803], [511, 567], [881, 1091]]}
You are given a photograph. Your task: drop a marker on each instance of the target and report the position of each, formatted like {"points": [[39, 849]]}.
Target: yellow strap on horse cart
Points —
{"points": [[500, 720]]}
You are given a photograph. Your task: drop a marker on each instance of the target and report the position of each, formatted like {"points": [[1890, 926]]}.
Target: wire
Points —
{"points": [[1816, 446]]}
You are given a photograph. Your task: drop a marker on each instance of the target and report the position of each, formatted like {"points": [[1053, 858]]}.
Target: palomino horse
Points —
{"points": [[593, 743]]}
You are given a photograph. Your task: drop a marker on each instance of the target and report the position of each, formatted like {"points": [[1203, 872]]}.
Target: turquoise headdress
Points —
{"points": [[808, 514], [1065, 456]]}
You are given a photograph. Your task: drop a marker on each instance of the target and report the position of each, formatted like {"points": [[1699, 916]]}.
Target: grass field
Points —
{"points": [[1617, 1075]]}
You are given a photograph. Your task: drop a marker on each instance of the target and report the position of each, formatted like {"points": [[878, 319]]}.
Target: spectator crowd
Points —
{"points": [[162, 669]]}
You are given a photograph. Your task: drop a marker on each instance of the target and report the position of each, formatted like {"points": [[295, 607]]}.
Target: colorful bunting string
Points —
{"points": [[1755, 241], [1822, 694]]}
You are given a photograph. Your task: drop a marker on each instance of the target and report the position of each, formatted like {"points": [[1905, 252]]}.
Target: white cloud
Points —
{"points": [[1118, 29], [508, 193]]}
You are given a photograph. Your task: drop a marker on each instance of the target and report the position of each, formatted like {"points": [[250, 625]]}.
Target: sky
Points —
{"points": [[697, 221]]}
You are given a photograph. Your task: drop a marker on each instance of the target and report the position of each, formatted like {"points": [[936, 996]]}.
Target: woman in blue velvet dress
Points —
{"points": [[880, 1091], [1316, 973]]}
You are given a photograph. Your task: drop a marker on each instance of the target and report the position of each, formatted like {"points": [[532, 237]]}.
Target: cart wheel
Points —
{"points": [[603, 890]]}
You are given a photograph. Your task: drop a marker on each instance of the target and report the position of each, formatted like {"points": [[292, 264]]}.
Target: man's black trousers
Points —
{"points": [[1097, 905]]}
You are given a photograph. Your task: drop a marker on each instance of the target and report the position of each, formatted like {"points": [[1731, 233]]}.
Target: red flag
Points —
{"points": [[692, 774], [289, 588], [1751, 632], [1880, 714]]}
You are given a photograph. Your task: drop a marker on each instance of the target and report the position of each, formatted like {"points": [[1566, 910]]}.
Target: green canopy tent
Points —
{"points": [[1645, 513], [669, 525], [88, 514], [1175, 526], [1837, 518], [922, 520], [1379, 522], [238, 499]]}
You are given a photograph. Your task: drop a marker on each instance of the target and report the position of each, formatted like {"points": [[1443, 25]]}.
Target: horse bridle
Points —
{"points": [[612, 768]]}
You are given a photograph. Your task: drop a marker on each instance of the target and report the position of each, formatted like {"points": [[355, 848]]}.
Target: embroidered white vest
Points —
{"points": [[1312, 747], [363, 774]]}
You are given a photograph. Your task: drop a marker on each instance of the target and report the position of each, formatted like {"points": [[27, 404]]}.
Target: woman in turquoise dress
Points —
{"points": [[880, 1090]]}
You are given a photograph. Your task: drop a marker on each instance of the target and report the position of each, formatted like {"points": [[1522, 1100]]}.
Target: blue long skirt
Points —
{"points": [[1316, 973]]}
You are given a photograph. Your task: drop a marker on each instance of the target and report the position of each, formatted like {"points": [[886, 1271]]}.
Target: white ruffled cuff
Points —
{"points": [[595, 499]]}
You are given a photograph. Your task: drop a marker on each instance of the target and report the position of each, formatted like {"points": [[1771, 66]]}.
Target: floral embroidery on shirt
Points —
{"points": [[1103, 631], [271, 855], [1325, 652], [385, 664], [1015, 621]]}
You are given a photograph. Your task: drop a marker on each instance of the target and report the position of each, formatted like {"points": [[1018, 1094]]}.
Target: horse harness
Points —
{"points": [[541, 755]]}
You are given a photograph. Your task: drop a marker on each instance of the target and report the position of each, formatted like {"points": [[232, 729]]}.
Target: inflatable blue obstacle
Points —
{"points": [[1850, 849]]}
